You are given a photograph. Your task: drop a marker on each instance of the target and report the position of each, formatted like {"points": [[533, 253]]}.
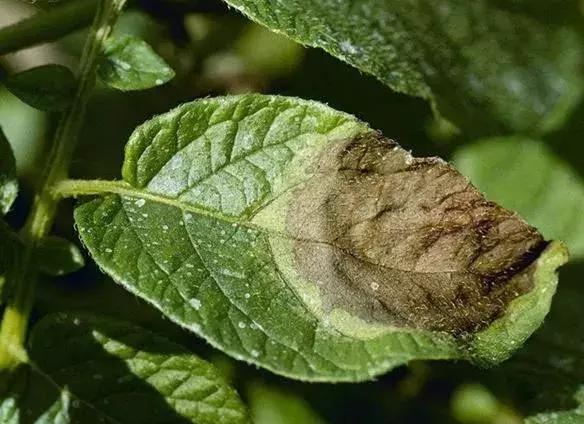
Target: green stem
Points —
{"points": [[42, 215], [47, 26]]}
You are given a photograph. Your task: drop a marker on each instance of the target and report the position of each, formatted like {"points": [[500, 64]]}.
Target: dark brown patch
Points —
{"points": [[408, 241]]}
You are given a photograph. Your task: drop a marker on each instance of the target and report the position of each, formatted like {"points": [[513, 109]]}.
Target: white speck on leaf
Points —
{"points": [[195, 303], [348, 47]]}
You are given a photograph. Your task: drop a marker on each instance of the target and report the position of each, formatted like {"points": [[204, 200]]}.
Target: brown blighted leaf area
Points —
{"points": [[407, 241]]}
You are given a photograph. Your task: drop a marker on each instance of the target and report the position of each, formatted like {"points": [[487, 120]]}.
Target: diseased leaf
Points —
{"points": [[88, 369], [525, 176], [56, 256], [47, 87], [129, 63], [8, 181], [294, 237], [488, 66], [270, 405]]}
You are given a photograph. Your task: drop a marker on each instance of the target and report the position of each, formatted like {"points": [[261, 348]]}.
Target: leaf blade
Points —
{"points": [[108, 370], [447, 52], [8, 181], [129, 63], [48, 87], [209, 250], [57, 256]]}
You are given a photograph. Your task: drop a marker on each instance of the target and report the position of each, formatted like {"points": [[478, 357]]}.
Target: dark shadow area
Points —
{"points": [[568, 142], [545, 374], [390, 398], [89, 291]]}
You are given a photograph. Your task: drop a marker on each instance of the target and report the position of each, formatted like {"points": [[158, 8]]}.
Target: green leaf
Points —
{"points": [[8, 181], [88, 369], [271, 405], [56, 256], [486, 65], [294, 237], [47, 87], [525, 176], [129, 63]]}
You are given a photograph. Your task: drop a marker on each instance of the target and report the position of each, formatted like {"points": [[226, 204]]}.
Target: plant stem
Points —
{"points": [[47, 26], [42, 215]]}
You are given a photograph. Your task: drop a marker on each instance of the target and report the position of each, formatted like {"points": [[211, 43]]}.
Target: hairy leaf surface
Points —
{"points": [[47, 87], [487, 65], [88, 369], [8, 182], [129, 63], [293, 236], [525, 176]]}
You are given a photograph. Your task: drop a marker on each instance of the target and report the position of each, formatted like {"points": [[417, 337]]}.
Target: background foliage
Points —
{"points": [[215, 50]]}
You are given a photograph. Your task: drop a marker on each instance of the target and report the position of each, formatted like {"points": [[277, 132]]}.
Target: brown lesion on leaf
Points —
{"points": [[407, 241]]}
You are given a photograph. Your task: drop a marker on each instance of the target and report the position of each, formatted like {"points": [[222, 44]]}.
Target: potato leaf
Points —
{"points": [[8, 181], [47, 87], [488, 66], [129, 63], [525, 176], [57, 256], [293, 236], [88, 369]]}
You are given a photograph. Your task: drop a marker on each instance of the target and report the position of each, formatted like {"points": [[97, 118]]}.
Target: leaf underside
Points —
{"points": [[293, 236], [88, 369], [488, 66]]}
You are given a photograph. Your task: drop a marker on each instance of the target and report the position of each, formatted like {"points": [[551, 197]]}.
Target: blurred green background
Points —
{"points": [[216, 51]]}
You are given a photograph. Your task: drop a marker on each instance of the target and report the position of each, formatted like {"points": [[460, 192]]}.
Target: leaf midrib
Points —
{"points": [[74, 188]]}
